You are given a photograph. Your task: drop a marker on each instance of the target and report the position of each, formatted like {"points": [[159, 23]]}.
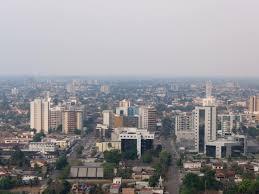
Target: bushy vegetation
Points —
{"points": [[113, 156], [38, 136], [192, 183]]}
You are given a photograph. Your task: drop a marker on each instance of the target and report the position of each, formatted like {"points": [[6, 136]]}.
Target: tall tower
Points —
{"points": [[147, 118], [205, 126], [72, 120], [108, 118], [253, 104], [208, 89], [39, 118]]}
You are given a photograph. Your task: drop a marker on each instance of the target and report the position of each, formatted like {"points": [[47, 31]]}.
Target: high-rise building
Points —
{"points": [[105, 89], [72, 120], [147, 118], [229, 122], [253, 104], [14, 91], [118, 121], [205, 127], [108, 118], [209, 100], [130, 121], [55, 117], [124, 103], [183, 122], [39, 115], [133, 111], [122, 111], [208, 89]]}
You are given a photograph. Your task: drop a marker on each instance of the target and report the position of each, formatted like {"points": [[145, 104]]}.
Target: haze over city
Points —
{"points": [[164, 38]]}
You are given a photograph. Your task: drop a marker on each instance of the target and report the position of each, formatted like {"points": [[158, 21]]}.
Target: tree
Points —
{"points": [[38, 137], [125, 173], [147, 157], [209, 180], [244, 186], [157, 150], [179, 163], [18, 158], [165, 158], [153, 180], [79, 150], [61, 187], [65, 172], [193, 182], [113, 156], [108, 169], [61, 162], [6, 183], [66, 187]]}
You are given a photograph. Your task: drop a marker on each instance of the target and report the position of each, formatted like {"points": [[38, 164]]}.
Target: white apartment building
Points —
{"points": [[39, 115], [108, 117], [42, 147]]}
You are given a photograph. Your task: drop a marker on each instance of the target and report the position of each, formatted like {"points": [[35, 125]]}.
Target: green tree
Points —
{"points": [[153, 180], [18, 158], [61, 162], [245, 186], [79, 150], [6, 183], [57, 186], [165, 158], [179, 163], [193, 182], [38, 137], [157, 150], [125, 173], [113, 156], [108, 169], [65, 172]]}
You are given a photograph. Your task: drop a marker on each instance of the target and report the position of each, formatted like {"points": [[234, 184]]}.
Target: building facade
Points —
{"points": [[39, 115], [72, 120], [147, 118], [205, 126], [253, 104]]}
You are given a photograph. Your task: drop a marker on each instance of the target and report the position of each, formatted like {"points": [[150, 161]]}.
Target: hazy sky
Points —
{"points": [[133, 37]]}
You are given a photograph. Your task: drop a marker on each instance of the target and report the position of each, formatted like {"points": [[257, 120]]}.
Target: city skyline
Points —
{"points": [[146, 38]]}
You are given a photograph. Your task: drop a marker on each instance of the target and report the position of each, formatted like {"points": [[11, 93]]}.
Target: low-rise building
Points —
{"points": [[108, 146], [141, 138], [192, 165], [234, 145], [90, 170], [42, 147]]}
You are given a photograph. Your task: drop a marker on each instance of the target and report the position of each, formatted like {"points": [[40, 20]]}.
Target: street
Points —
{"points": [[173, 178]]}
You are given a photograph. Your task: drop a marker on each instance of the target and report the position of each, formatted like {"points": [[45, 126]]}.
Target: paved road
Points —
{"points": [[173, 178]]}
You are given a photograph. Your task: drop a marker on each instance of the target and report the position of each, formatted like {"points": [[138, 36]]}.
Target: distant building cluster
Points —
{"points": [[206, 132], [142, 117], [45, 116]]}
